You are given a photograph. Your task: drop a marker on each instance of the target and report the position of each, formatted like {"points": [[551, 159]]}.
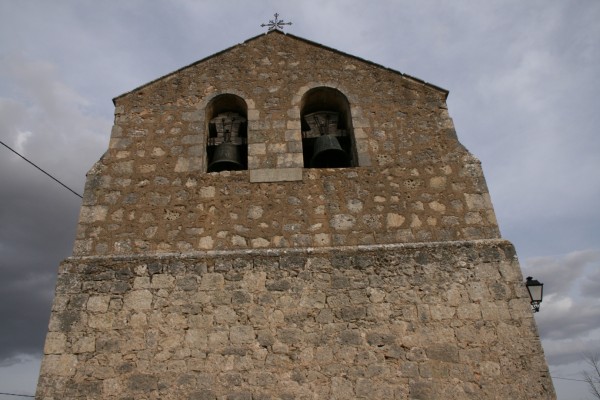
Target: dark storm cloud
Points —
{"points": [[36, 220], [45, 121]]}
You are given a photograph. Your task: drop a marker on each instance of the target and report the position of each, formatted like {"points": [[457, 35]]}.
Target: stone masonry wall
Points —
{"points": [[387, 280], [422, 321], [414, 181], [329, 207]]}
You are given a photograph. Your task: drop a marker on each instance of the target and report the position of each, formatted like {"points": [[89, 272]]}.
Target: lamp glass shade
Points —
{"points": [[535, 289]]}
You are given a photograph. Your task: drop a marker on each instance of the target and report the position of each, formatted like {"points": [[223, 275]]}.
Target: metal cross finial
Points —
{"points": [[275, 23]]}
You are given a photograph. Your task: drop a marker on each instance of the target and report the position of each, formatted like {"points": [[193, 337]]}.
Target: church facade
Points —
{"points": [[285, 221]]}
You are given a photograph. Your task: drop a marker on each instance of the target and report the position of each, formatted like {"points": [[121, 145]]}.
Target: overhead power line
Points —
{"points": [[59, 182], [14, 394], [568, 379]]}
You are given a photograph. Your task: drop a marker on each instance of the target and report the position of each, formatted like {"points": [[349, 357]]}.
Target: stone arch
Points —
{"points": [[226, 118], [325, 113]]}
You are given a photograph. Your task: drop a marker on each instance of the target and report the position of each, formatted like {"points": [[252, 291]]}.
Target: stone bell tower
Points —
{"points": [[285, 221]]}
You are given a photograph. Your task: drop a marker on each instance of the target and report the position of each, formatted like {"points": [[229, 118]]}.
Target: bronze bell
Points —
{"points": [[327, 153], [226, 157]]}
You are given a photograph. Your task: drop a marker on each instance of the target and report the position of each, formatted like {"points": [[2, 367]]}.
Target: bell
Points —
{"points": [[226, 158], [327, 153]]}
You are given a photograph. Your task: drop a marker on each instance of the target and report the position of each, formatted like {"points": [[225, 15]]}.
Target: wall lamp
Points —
{"points": [[536, 292]]}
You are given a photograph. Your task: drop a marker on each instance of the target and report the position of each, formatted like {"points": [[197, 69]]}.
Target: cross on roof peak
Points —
{"points": [[275, 24]]}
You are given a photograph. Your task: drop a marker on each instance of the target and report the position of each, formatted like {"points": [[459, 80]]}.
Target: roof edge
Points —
{"points": [[438, 88]]}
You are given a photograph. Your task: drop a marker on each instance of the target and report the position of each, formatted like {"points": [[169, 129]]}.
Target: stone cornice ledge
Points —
{"points": [[274, 252]]}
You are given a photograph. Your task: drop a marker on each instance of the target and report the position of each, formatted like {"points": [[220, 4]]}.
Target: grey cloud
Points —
{"points": [[573, 322], [559, 274], [561, 352], [520, 108], [56, 117], [12, 114], [591, 285], [569, 321]]}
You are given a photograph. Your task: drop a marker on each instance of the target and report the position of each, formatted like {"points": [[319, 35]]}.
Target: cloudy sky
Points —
{"points": [[523, 82]]}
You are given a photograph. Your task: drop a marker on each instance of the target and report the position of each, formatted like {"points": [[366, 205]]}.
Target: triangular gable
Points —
{"points": [[262, 35]]}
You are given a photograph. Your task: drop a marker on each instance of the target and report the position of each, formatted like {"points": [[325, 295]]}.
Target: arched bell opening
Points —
{"points": [[327, 135], [226, 147]]}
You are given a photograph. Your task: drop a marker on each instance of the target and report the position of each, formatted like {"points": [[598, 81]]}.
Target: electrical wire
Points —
{"points": [[18, 395], [65, 186], [568, 379]]}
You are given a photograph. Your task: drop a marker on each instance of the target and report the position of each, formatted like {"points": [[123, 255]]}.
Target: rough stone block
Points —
{"points": [[260, 242], [443, 352], [342, 222], [56, 343], [276, 175], [143, 383], [290, 160], [478, 201], [138, 300], [241, 334], [206, 243], [212, 281], [162, 281], [395, 220], [257, 149], [98, 303], [90, 214], [119, 143], [196, 339], [64, 365], [188, 164]]}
